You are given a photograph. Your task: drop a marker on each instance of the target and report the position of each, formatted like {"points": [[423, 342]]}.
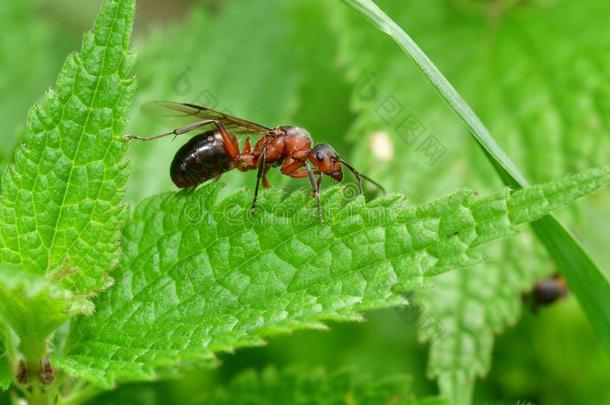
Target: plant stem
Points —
{"points": [[39, 396], [37, 384], [34, 351]]}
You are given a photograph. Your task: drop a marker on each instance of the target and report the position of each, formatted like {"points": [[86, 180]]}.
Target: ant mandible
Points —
{"points": [[209, 154]]}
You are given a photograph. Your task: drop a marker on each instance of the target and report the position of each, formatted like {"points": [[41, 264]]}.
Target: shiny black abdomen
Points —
{"points": [[202, 158]]}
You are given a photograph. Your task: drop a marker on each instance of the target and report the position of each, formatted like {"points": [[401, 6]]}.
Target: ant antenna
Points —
{"points": [[359, 176]]}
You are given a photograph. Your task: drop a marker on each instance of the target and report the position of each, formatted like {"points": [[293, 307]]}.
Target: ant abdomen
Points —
{"points": [[202, 158]]}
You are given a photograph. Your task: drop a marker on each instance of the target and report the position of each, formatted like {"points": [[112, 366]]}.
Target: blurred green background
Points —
{"points": [[535, 70]]}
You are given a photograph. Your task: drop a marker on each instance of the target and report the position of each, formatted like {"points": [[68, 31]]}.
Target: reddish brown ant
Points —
{"points": [[209, 154]]}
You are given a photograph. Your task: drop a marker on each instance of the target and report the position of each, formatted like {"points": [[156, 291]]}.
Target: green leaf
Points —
{"points": [[472, 306], [61, 209], [298, 385], [200, 275]]}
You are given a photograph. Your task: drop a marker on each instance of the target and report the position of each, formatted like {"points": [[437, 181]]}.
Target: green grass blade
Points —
{"points": [[585, 279], [442, 85]]}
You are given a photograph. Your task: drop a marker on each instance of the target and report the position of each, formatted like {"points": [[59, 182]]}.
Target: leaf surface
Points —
{"points": [[200, 275]]}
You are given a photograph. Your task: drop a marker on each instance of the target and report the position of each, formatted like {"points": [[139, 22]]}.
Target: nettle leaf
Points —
{"points": [[201, 275], [61, 208], [298, 385], [487, 300]]}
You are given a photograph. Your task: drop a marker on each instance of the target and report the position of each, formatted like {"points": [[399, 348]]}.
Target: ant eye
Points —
{"points": [[320, 156]]}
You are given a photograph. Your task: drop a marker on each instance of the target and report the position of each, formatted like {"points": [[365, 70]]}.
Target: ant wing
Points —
{"points": [[193, 112]]}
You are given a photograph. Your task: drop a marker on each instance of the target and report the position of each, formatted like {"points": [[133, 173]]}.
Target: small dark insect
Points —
{"points": [[209, 154], [547, 291]]}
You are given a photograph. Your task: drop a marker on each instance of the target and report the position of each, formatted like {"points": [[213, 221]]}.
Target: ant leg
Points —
{"points": [[265, 181], [247, 161], [247, 147], [359, 178], [292, 169], [259, 174], [291, 166], [315, 188], [229, 141], [175, 132]]}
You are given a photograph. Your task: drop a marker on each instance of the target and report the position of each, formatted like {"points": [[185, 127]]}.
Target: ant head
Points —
{"points": [[325, 159]]}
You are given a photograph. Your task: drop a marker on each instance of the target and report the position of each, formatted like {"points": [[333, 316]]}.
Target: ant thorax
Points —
{"points": [[298, 141], [295, 132]]}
